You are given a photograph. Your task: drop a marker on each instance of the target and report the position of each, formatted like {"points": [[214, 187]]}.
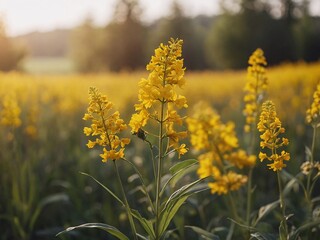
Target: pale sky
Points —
{"points": [[23, 16]]}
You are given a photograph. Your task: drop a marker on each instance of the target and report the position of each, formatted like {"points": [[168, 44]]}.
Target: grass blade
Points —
{"points": [[106, 188], [105, 227]]}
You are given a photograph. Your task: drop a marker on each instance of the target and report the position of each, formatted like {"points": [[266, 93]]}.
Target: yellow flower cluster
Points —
{"points": [[313, 113], [255, 87], [158, 97], [220, 146], [106, 125], [230, 181], [10, 111], [270, 127]]}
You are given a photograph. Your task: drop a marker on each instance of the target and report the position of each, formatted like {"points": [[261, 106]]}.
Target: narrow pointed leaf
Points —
{"points": [[142, 237], [183, 190], [305, 227], [204, 233], [105, 227], [174, 203], [169, 213], [264, 210], [178, 175], [181, 165], [106, 188], [262, 236], [146, 224], [54, 198]]}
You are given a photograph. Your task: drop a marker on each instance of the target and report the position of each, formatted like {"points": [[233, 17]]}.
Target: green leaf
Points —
{"points": [[262, 236], [181, 165], [264, 210], [142, 237], [204, 233], [106, 188], [144, 187], [174, 203], [146, 224], [305, 227], [54, 198], [292, 183], [169, 233], [169, 213], [177, 175], [183, 190], [308, 153], [282, 230], [105, 227]]}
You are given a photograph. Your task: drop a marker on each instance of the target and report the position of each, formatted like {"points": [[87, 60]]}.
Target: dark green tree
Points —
{"points": [[86, 47], [192, 31], [125, 38], [236, 34], [11, 54]]}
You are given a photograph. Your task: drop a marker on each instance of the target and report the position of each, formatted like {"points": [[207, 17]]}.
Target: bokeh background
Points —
{"points": [[95, 36], [52, 51]]}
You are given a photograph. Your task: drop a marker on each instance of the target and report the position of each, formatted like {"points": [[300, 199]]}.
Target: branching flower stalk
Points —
{"points": [[107, 126], [221, 158], [158, 101], [255, 90], [308, 167], [270, 128]]}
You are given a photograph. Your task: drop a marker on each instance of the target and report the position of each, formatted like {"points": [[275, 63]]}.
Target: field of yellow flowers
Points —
{"points": [[43, 149]]}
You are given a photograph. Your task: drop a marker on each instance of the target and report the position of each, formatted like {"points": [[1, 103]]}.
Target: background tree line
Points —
{"points": [[284, 29]]}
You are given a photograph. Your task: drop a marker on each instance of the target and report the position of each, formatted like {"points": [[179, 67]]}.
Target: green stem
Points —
{"points": [[282, 205], [236, 216], [309, 188], [133, 228], [309, 183], [233, 208], [249, 197], [313, 143], [159, 172]]}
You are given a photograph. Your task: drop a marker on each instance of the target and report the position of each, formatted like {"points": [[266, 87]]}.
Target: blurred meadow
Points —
{"points": [[44, 95]]}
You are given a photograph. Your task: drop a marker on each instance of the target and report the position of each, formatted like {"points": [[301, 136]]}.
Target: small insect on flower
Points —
{"points": [[106, 125]]}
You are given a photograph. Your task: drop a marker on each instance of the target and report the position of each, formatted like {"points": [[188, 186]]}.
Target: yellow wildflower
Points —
{"points": [[241, 159], [230, 181], [313, 113], [158, 97], [182, 149], [270, 127], [208, 132], [206, 166], [255, 87], [106, 125], [10, 111], [219, 142]]}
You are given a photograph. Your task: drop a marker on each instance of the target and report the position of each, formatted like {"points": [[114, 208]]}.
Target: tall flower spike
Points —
{"points": [[158, 98], [313, 113], [106, 125], [270, 128], [255, 87]]}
